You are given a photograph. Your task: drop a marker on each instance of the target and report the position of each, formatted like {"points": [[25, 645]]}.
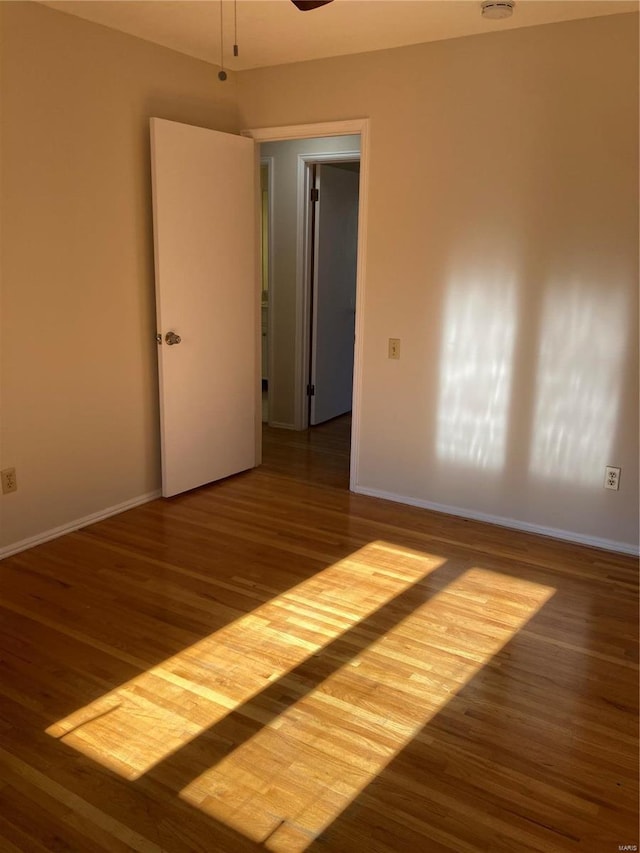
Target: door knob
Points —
{"points": [[171, 338]]}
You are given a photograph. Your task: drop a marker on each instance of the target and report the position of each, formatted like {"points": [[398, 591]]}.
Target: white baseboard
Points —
{"points": [[525, 527], [552, 532], [55, 532], [281, 426]]}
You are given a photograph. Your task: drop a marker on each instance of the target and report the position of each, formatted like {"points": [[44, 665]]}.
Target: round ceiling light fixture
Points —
{"points": [[497, 9]]}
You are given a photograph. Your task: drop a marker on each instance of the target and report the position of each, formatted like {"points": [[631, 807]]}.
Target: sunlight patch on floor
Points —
{"points": [[289, 781], [275, 723], [139, 724]]}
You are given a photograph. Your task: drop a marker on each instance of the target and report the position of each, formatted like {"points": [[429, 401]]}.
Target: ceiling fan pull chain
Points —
{"points": [[235, 28], [222, 74]]}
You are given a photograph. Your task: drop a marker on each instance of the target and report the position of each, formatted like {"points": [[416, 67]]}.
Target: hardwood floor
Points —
{"points": [[274, 663]]}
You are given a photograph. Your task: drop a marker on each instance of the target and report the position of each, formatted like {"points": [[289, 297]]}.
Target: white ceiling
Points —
{"points": [[273, 32]]}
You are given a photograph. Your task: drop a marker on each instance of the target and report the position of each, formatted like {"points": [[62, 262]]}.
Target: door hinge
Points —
{"points": [[315, 194], [311, 390]]}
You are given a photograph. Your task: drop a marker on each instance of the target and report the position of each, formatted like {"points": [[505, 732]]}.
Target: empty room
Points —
{"points": [[310, 543]]}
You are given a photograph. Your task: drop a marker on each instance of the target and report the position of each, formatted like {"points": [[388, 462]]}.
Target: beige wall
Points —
{"points": [[502, 250], [285, 300], [79, 382]]}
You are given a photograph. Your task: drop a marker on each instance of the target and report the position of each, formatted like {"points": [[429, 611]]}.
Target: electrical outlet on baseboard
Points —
{"points": [[9, 481], [612, 478]]}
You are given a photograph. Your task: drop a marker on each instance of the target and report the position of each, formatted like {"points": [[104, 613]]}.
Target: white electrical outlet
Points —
{"points": [[9, 482], [612, 478]]}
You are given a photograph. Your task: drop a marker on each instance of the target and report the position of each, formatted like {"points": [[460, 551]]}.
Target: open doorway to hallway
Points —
{"points": [[309, 204]]}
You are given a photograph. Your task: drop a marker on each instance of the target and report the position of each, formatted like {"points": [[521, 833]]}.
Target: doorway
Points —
{"points": [[360, 128], [181, 155], [331, 261], [290, 294], [266, 215]]}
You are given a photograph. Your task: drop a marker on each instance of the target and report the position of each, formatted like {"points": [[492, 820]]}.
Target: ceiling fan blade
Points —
{"points": [[307, 5]]}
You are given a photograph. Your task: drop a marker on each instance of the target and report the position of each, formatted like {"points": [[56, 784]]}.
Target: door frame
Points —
{"points": [[309, 131], [305, 267], [269, 163]]}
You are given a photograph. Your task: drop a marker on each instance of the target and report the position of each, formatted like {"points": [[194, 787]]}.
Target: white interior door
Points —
{"points": [[334, 292], [206, 263]]}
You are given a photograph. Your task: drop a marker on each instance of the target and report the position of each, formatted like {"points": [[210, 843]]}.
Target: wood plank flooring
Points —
{"points": [[273, 663]]}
